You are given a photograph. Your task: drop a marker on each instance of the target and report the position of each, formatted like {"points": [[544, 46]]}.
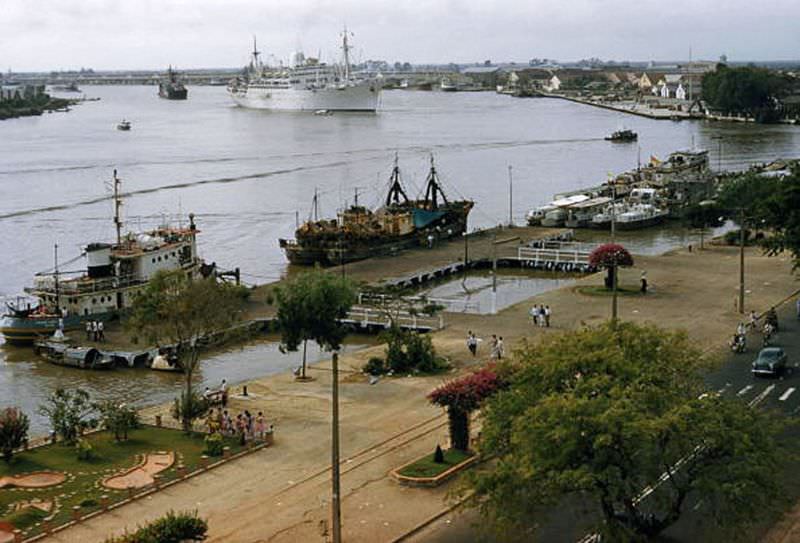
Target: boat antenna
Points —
{"points": [[117, 206], [395, 188], [434, 189], [55, 276]]}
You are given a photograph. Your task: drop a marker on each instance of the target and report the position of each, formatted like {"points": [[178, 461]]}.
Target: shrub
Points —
{"points": [[411, 351], [14, 426], [375, 366], [171, 528], [732, 237], [118, 418], [84, 450], [214, 445], [70, 413]]}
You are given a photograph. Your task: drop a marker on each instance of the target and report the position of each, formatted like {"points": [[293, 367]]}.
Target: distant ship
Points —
{"points": [[115, 273], [309, 85], [72, 86], [360, 233], [622, 135], [171, 88]]}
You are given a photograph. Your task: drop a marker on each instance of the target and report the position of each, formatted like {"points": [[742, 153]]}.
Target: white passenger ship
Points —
{"points": [[115, 272], [308, 85]]}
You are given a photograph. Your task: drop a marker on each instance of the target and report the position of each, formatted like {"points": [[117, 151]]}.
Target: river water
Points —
{"points": [[247, 176]]}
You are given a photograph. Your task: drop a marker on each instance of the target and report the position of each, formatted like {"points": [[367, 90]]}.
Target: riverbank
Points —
{"points": [[389, 423], [12, 109]]}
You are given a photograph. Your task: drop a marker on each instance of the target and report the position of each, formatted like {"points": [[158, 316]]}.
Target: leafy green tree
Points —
{"points": [[754, 92], [71, 412], [14, 426], [117, 418], [176, 309], [310, 307], [604, 413]]}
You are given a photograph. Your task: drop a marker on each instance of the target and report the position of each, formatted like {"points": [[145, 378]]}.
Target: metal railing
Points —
{"points": [[370, 317]]}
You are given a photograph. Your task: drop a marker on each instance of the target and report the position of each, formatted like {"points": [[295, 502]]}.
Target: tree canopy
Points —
{"points": [[610, 255], [770, 203], [747, 90], [310, 307], [604, 413]]}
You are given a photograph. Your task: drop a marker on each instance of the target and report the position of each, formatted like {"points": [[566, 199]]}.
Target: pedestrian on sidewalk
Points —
{"points": [[472, 343], [546, 312], [500, 348]]}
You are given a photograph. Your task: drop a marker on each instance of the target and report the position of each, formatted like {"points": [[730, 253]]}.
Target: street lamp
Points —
{"points": [[740, 305]]}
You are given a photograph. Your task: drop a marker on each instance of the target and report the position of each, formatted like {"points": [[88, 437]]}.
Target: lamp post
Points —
{"points": [[336, 520]]}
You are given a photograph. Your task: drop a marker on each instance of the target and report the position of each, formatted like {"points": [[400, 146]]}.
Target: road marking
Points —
{"points": [[760, 398], [745, 390], [785, 395]]}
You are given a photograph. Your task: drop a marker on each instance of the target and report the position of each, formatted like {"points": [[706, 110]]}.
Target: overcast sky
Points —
{"points": [[130, 34]]}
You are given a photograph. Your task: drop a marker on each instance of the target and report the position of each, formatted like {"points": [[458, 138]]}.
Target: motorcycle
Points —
{"points": [[738, 343], [767, 334], [771, 318]]}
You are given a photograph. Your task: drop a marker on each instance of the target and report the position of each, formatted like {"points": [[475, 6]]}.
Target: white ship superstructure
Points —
{"points": [[307, 85]]}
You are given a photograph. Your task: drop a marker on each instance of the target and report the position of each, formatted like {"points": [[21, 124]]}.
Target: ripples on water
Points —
{"points": [[246, 174]]}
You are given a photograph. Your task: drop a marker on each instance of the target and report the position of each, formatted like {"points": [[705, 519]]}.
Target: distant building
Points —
{"points": [[485, 76]]}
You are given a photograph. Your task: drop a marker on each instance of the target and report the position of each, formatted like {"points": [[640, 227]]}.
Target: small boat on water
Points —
{"points": [[60, 353], [171, 88], [124, 125], [622, 136], [447, 86], [640, 216]]}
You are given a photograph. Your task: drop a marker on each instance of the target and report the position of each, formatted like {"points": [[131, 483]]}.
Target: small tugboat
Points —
{"points": [[360, 233], [124, 125], [622, 136], [115, 273], [171, 88]]}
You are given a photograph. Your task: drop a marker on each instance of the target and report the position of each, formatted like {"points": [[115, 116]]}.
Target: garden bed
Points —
{"points": [[425, 472], [599, 290], [34, 510]]}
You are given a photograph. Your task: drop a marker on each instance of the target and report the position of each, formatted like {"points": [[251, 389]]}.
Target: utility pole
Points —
{"points": [[336, 512], [616, 268], [510, 197], [117, 204], [741, 261]]}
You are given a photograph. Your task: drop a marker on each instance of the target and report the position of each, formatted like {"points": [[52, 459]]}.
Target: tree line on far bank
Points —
{"points": [[754, 92]]}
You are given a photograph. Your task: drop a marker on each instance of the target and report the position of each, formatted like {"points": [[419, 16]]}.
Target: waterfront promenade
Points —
{"points": [[282, 493]]}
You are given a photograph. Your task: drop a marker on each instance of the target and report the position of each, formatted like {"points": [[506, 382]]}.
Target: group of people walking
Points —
{"points": [[497, 348], [540, 314], [245, 425], [95, 331]]}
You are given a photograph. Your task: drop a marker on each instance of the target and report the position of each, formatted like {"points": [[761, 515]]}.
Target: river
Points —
{"points": [[247, 175]]}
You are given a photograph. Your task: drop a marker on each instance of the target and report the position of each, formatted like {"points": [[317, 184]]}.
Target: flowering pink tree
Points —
{"points": [[462, 396], [13, 431], [610, 256]]}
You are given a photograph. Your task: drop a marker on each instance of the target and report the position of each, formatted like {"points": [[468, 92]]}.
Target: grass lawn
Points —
{"points": [[597, 290], [83, 484], [426, 467]]}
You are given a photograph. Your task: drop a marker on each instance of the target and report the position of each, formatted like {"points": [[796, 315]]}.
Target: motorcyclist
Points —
{"points": [[772, 318], [767, 332]]}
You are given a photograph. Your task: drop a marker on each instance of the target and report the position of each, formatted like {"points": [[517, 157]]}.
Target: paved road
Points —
{"points": [[733, 379]]}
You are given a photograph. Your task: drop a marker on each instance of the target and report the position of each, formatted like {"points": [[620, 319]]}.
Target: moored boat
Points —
{"points": [[640, 216], [171, 88], [358, 233], [60, 353], [115, 272]]}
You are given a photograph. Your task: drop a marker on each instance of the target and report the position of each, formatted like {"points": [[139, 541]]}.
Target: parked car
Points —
{"points": [[770, 361]]}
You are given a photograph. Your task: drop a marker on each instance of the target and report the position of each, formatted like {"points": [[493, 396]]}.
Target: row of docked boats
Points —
{"points": [[61, 351], [640, 199]]}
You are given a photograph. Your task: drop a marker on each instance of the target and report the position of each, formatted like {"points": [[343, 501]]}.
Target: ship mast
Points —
{"points": [[346, 49], [117, 206], [55, 276], [255, 62], [395, 189], [434, 189]]}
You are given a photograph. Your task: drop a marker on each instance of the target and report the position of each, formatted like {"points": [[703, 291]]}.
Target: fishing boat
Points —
{"points": [[114, 274], [124, 125], [552, 214], [580, 215], [171, 88], [358, 233], [307, 85], [622, 136], [60, 353], [640, 216]]}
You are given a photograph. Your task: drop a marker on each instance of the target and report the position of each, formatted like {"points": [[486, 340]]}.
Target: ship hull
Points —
{"points": [[644, 223], [173, 94], [360, 97], [25, 330], [334, 252]]}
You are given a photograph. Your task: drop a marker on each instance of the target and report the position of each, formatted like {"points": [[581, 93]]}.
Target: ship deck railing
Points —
{"points": [[82, 286]]}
